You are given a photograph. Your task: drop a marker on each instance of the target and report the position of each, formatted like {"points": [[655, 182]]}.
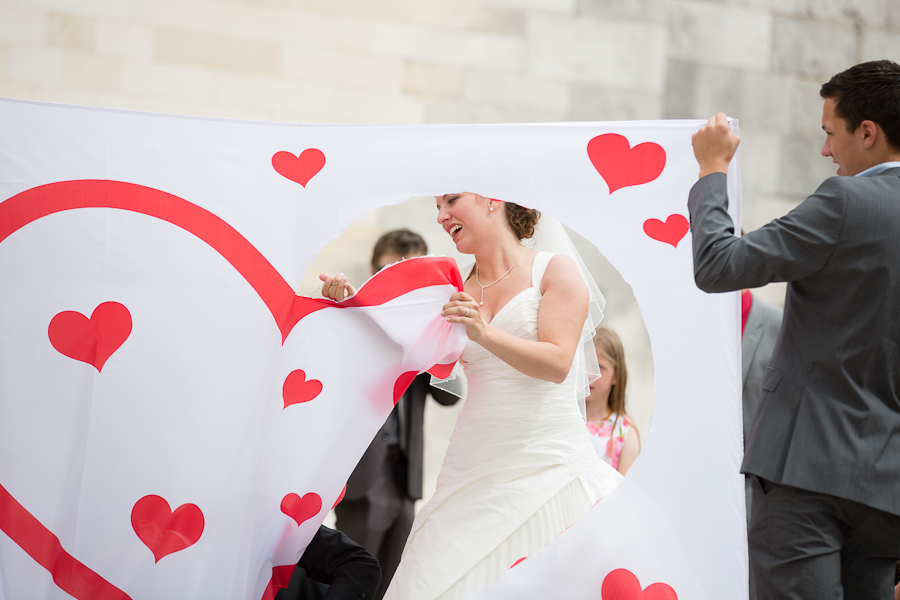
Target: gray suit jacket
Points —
{"points": [[757, 345], [828, 419]]}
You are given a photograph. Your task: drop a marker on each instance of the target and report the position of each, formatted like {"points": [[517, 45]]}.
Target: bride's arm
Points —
{"points": [[563, 310]]}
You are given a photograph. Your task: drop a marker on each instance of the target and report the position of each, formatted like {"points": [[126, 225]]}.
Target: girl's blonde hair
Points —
{"points": [[609, 346]]}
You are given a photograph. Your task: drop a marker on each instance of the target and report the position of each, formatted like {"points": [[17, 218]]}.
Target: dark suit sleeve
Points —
{"points": [[787, 249], [334, 559]]}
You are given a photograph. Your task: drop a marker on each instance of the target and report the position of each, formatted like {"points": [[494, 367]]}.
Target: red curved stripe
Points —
{"points": [[69, 574], [286, 307]]}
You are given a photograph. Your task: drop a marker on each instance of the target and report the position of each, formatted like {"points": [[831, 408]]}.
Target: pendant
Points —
{"points": [[482, 302]]}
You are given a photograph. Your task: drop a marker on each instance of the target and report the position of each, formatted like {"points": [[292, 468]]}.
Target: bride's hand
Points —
{"points": [[463, 309], [336, 288]]}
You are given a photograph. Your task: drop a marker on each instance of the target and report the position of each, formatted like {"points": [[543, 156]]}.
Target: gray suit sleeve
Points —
{"points": [[787, 249]]}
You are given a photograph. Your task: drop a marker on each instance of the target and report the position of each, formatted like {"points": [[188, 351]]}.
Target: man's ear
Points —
{"points": [[870, 134]]}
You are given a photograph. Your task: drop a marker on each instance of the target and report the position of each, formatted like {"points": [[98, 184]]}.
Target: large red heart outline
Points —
{"points": [[620, 165], [622, 584], [163, 530], [301, 509], [91, 340], [299, 169], [297, 389], [670, 232]]}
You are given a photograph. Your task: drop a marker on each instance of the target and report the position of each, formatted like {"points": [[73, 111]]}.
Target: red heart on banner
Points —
{"points": [[164, 531], [299, 168], [301, 509], [297, 389], [670, 232], [402, 384], [621, 584], [620, 165], [91, 340]]}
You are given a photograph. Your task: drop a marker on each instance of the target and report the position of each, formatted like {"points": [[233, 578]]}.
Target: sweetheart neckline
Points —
{"points": [[511, 300]]}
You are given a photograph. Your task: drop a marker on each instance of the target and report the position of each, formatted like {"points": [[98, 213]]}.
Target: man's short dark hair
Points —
{"points": [[868, 91], [400, 241]]}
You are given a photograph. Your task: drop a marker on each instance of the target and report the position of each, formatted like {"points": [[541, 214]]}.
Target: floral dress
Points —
{"points": [[608, 437]]}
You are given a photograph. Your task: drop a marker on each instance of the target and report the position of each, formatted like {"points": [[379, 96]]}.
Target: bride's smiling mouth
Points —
{"points": [[454, 231]]}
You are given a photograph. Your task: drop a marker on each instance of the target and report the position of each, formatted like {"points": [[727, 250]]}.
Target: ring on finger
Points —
{"points": [[335, 283], [466, 314]]}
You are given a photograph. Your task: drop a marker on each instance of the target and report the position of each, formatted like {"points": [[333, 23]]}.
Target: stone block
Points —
{"points": [[778, 7], [806, 110], [725, 36], [4, 61], [610, 104], [188, 83], [435, 46], [11, 88], [893, 21], [803, 167], [432, 80], [681, 89], [36, 65], [868, 12], [718, 89], [760, 161], [812, 49], [92, 73], [564, 7], [503, 90], [446, 111], [468, 15], [121, 40], [622, 54], [471, 15], [766, 101], [880, 44], [341, 69], [376, 107], [218, 52], [653, 11], [22, 25], [71, 32], [110, 9]]}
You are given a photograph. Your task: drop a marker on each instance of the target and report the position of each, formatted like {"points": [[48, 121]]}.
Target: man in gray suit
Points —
{"points": [[760, 323], [758, 336], [824, 448]]}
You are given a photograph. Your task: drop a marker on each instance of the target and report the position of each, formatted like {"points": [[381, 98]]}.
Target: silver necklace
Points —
{"points": [[498, 279]]}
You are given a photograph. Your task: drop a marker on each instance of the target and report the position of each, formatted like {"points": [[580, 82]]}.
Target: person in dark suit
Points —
{"points": [[333, 567], [760, 323], [824, 447], [378, 508]]}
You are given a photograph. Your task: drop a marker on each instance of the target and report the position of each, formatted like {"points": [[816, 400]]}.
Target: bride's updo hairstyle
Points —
{"points": [[522, 220]]}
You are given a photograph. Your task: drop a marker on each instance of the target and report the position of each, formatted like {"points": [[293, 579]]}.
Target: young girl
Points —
{"points": [[612, 432]]}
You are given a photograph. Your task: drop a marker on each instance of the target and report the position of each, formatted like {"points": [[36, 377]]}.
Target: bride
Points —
{"points": [[520, 468]]}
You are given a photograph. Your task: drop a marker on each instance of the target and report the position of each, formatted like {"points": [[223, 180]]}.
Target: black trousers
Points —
{"points": [[381, 521], [810, 546]]}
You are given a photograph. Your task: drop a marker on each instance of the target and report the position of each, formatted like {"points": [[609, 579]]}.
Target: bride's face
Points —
{"points": [[466, 219]]}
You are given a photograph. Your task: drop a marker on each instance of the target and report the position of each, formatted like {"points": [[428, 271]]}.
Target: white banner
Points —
{"points": [[175, 422]]}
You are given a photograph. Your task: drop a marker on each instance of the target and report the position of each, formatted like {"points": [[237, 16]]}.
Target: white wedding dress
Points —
{"points": [[520, 469]]}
